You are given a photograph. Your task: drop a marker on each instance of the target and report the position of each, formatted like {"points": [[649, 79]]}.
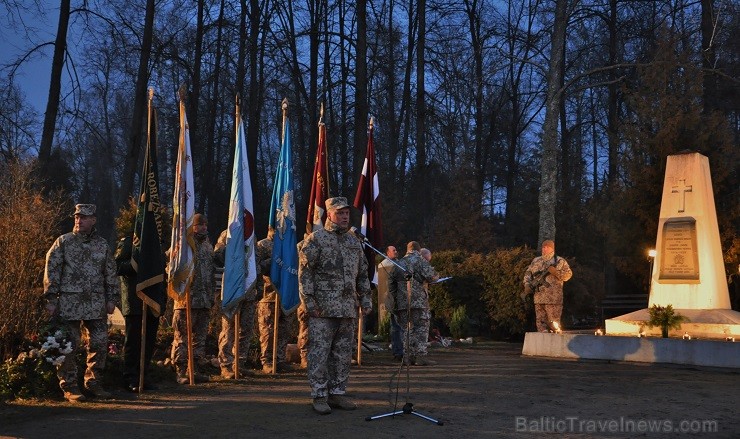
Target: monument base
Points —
{"points": [[713, 353], [703, 323]]}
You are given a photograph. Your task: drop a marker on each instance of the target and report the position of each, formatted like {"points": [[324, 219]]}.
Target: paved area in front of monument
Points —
{"points": [[479, 391]]}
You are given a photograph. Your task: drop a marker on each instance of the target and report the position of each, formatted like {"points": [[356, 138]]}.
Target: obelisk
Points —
{"points": [[688, 272]]}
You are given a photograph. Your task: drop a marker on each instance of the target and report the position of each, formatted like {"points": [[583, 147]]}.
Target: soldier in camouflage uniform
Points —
{"points": [[201, 301], [302, 324], [414, 315], [246, 319], [80, 285], [333, 283], [545, 277], [266, 312]]}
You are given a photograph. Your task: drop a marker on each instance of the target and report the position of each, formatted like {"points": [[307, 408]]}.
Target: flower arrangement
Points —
{"points": [[32, 373], [665, 318], [55, 348]]}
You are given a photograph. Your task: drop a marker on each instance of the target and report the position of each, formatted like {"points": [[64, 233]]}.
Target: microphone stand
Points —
{"points": [[408, 408]]}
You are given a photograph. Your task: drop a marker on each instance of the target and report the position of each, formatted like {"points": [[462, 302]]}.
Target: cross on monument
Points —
{"points": [[682, 189]]}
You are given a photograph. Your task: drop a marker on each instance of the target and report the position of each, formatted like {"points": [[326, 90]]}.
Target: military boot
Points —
{"points": [[320, 405], [182, 376], [424, 361], [72, 394], [341, 402], [97, 390]]}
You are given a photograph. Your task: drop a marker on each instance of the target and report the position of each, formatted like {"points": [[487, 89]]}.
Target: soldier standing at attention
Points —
{"points": [[266, 317], [201, 302], [80, 285], [416, 311], [332, 279], [246, 319], [545, 277]]}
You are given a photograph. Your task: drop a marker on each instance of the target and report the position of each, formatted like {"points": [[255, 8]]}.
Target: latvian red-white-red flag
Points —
{"points": [[367, 201], [319, 186]]}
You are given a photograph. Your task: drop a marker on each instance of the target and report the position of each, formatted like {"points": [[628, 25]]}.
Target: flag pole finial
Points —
{"points": [[151, 93], [285, 105], [181, 93], [321, 114], [372, 121]]}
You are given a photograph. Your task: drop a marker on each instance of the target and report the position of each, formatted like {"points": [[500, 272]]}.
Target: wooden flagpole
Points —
{"points": [[359, 336], [275, 332], [142, 355], [237, 330], [188, 317]]}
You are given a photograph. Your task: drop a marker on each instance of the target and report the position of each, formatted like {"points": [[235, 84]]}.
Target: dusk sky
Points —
{"points": [[21, 31]]}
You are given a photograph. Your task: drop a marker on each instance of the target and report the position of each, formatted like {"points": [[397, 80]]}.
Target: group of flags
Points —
{"points": [[240, 262]]}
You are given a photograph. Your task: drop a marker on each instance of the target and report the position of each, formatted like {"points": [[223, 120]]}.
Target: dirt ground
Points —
{"points": [[479, 391]]}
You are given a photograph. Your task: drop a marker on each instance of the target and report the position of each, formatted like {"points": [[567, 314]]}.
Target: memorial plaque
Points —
{"points": [[679, 262]]}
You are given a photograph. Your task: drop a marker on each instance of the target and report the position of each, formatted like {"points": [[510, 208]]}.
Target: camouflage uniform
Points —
{"points": [[415, 342], [246, 310], [266, 310], [332, 276], [302, 326], [201, 302], [548, 297], [79, 279]]}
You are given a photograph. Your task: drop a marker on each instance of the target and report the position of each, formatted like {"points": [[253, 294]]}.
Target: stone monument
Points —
{"points": [[688, 272]]}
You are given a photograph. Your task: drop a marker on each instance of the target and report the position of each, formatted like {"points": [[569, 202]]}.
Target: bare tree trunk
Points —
{"points": [[421, 152], [390, 112], [211, 191], [361, 104], [421, 114], [256, 98], [405, 113], [549, 165], [55, 86], [194, 103], [140, 106], [343, 135], [708, 55], [474, 27], [612, 130]]}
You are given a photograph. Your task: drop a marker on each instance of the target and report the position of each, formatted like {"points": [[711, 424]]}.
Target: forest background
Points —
{"points": [[497, 124]]}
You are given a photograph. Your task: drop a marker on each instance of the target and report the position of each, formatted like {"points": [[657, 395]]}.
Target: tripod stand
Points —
{"points": [[408, 408]]}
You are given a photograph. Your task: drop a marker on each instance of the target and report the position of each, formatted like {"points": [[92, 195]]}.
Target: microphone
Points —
{"points": [[358, 234]]}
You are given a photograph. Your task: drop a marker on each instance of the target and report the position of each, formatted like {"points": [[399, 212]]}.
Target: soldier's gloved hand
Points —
{"points": [[110, 307], [554, 271]]}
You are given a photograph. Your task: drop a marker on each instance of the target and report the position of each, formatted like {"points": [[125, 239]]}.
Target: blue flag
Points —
{"points": [[284, 270], [240, 267]]}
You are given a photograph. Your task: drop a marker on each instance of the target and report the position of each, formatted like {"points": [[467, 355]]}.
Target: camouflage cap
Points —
{"points": [[85, 209], [199, 218], [336, 203]]}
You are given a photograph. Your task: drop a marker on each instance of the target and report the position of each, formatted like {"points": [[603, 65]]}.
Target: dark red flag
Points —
{"points": [[367, 201]]}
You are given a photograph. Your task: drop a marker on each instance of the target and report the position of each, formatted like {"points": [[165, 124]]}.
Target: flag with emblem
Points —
{"points": [[146, 253], [284, 269], [319, 186], [240, 267], [181, 264]]}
